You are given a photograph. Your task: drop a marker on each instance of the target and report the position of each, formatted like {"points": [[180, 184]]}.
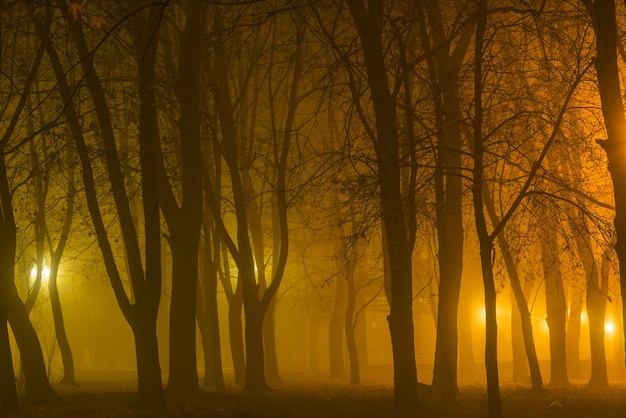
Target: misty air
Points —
{"points": [[325, 208]]}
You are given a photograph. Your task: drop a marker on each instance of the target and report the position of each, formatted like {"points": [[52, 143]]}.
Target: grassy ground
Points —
{"points": [[301, 396]]}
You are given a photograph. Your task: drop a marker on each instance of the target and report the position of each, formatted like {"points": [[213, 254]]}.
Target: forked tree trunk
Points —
{"points": [[141, 315], [520, 299], [444, 78], [484, 238], [184, 220], [605, 25], [556, 307], [38, 390], [369, 24]]}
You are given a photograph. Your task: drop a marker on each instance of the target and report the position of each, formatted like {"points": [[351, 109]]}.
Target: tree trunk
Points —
{"points": [[572, 334], [38, 390], [467, 363], [235, 333], [349, 324], [59, 327], [369, 25], [255, 357], [556, 308], [208, 313], [149, 384], [484, 238], [597, 295], [336, 335], [185, 221], [520, 362], [8, 391], [272, 372], [604, 22], [520, 299], [183, 373], [444, 71], [146, 283]]}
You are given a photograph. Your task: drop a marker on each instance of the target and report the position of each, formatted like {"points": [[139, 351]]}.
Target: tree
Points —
{"points": [[603, 17], [445, 63], [184, 219], [146, 283], [8, 391], [486, 238], [38, 389], [207, 310], [369, 25], [257, 296]]}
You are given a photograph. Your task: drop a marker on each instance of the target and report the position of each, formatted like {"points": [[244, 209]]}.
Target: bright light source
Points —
{"points": [[583, 316], [609, 327], [45, 273], [481, 315]]}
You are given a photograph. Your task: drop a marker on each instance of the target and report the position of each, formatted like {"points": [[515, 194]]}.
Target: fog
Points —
{"points": [[103, 345], [422, 199]]}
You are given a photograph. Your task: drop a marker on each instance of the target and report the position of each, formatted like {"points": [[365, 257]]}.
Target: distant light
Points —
{"points": [[481, 315], [583, 316], [609, 327], [45, 273]]}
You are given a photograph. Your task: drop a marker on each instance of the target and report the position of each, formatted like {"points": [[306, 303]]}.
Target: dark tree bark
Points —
{"points": [[184, 220], [369, 21], [444, 79], [67, 357], [212, 175], [235, 333], [272, 370], [256, 301], [572, 332], [518, 295], [38, 390], [349, 322], [141, 316], [556, 306], [484, 238], [207, 309], [604, 22], [8, 237], [12, 308]]}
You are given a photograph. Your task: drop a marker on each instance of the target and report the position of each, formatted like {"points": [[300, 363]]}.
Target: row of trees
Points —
{"points": [[215, 129]]}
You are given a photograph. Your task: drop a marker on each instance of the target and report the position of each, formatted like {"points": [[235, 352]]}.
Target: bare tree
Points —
{"points": [[141, 312]]}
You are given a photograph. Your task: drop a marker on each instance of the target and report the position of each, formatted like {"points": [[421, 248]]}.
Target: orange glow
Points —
{"points": [[45, 273]]}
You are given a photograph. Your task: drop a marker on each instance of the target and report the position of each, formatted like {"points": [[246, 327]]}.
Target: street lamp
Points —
{"points": [[45, 273]]}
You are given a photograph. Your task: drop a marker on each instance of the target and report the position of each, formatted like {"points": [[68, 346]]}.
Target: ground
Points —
{"points": [[306, 396]]}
